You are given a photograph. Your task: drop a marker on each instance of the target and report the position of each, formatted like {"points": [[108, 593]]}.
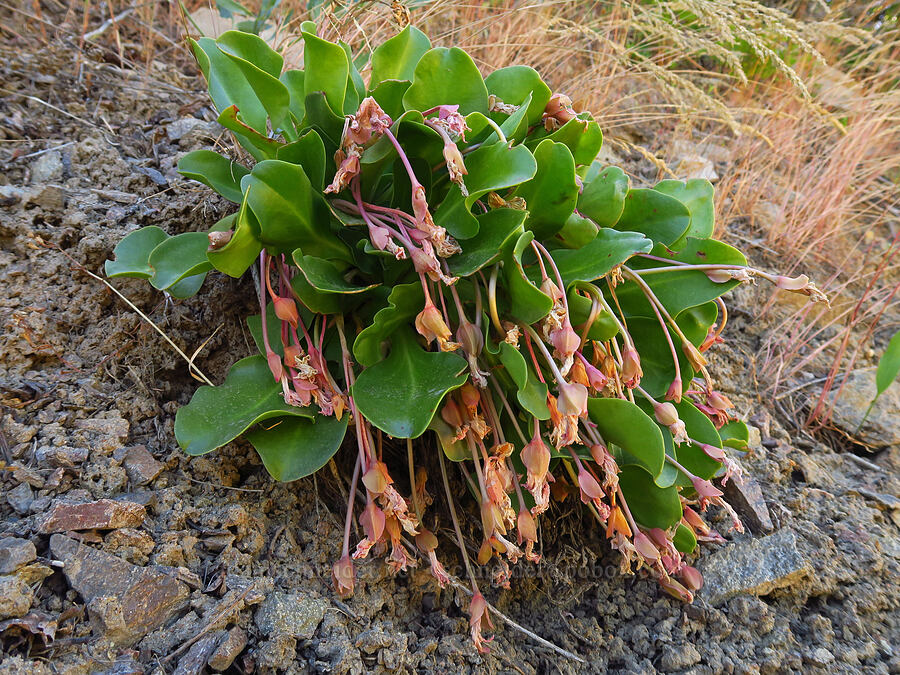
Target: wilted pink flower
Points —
{"points": [[631, 368], [645, 547], [572, 399], [479, 619], [348, 168], [536, 458], [691, 577], [342, 577], [369, 122]]}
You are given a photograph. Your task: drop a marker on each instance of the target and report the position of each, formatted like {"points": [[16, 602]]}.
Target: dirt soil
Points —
{"points": [[208, 559]]}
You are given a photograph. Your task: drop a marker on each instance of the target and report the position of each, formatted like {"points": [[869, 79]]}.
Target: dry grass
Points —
{"points": [[799, 106]]}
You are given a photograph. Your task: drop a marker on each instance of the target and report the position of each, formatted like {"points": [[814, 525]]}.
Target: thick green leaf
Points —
{"points": [[290, 212], [309, 152], [455, 450], [326, 70], [217, 415], [356, 88], [294, 81], [404, 303], [242, 249], [447, 77], [532, 393], [215, 171], [624, 424], [495, 228], [697, 195], [661, 218], [325, 276], [603, 197], [261, 66], [526, 301], [396, 59], [582, 136], [888, 365], [321, 117], [132, 253], [227, 84], [187, 287], [552, 194], [608, 249], [604, 327], [493, 167], [651, 505], [514, 84], [294, 447], [177, 257], [684, 539], [735, 434], [577, 232], [401, 394], [257, 144]]}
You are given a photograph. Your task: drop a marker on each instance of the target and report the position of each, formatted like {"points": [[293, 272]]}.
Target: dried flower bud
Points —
{"points": [[430, 324], [376, 479], [551, 290], [451, 413], [426, 541], [471, 397], [719, 276], [705, 489], [218, 240], [455, 166], [694, 357], [713, 452], [590, 488], [617, 522], [470, 338], [492, 518], [485, 552], [536, 458], [676, 590], [578, 374]]}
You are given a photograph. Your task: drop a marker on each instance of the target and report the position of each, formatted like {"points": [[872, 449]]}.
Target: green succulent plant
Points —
{"points": [[441, 253]]}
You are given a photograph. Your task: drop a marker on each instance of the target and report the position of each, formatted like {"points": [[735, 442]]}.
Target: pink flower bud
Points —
{"points": [[718, 401], [572, 399], [275, 365], [451, 414], [645, 547], [550, 289], [590, 488], [536, 457], [675, 390], [705, 489], [373, 521], [631, 368], [666, 414], [526, 526], [694, 357], [719, 276], [691, 577], [713, 452], [286, 310]]}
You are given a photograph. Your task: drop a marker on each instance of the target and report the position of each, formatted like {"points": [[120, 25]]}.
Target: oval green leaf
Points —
{"points": [[294, 447]]}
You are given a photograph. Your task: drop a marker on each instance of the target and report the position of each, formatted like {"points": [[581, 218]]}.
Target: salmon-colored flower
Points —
{"points": [[631, 368], [536, 458]]}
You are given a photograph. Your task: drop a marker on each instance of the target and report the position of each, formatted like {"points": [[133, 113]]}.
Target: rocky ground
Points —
{"points": [[120, 555]]}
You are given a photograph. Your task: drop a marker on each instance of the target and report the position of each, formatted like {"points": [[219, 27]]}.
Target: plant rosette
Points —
{"points": [[440, 252]]}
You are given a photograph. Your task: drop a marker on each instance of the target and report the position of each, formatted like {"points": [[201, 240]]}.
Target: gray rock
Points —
{"points": [[294, 614], [15, 597], [880, 427], [228, 649], [747, 500], [820, 657], [755, 567], [20, 498], [47, 168], [125, 602], [61, 456], [678, 657], [277, 653], [139, 464], [15, 553], [194, 662], [100, 514]]}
